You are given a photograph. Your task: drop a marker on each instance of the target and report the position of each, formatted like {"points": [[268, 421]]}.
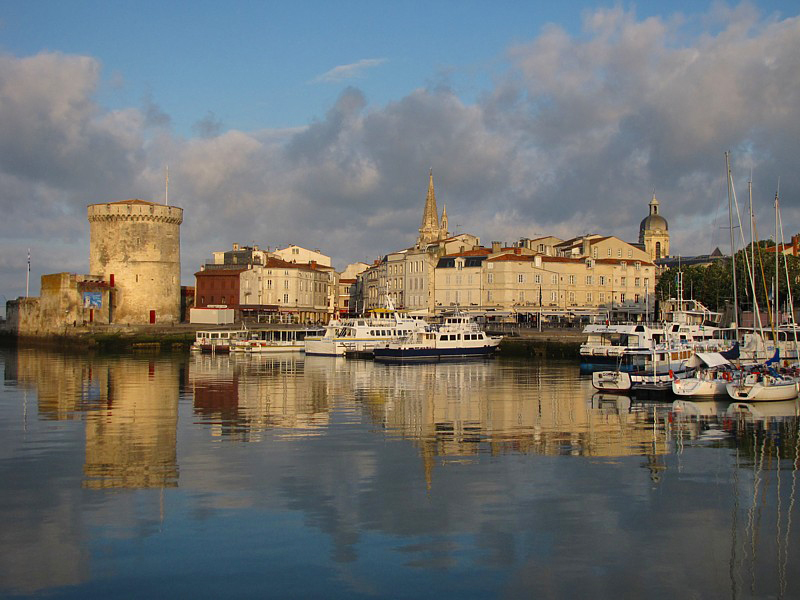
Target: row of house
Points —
{"points": [[590, 273]]}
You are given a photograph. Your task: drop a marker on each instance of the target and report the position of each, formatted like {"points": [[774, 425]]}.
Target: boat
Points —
{"points": [[360, 335], [216, 341], [688, 325], [711, 372], [275, 340], [607, 343], [458, 337], [646, 369], [764, 384]]}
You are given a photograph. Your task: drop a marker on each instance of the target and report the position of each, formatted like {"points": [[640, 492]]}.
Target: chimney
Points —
{"points": [[235, 247], [585, 247], [495, 246], [313, 264]]}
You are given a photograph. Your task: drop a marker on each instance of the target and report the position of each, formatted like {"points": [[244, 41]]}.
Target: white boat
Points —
{"points": [[362, 334], [459, 336], [710, 376], [764, 384], [607, 343], [763, 387], [217, 340], [275, 340]]}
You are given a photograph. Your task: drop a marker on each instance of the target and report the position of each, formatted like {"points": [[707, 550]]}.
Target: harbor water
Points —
{"points": [[197, 476]]}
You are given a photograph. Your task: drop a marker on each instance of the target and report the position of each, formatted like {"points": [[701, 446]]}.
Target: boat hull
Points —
{"points": [[758, 392], [431, 354]]}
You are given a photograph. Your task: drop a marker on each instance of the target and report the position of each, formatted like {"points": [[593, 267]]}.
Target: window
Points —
{"points": [[490, 278], [537, 278], [602, 297], [622, 297], [636, 281], [520, 278], [572, 297], [609, 251], [589, 297], [623, 281], [630, 252], [286, 297], [637, 265], [594, 252], [602, 280], [619, 252], [646, 282], [554, 279], [589, 280], [571, 279], [553, 297]]}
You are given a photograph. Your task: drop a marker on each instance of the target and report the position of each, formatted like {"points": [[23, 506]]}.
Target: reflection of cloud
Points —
{"points": [[351, 71]]}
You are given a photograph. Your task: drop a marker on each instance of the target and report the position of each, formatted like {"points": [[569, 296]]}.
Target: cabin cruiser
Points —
{"points": [[361, 335], [459, 336], [217, 340], [261, 341]]}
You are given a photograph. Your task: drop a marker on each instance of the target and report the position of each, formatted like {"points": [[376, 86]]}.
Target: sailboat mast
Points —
{"points": [[733, 248]]}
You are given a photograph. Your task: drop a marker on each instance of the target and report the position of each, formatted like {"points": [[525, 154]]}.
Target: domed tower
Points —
{"points": [[136, 246], [654, 233]]}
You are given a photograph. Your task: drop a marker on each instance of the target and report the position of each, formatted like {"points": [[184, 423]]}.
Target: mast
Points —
{"points": [[733, 247]]}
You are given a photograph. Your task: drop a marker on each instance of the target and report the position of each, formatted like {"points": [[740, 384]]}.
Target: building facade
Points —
{"points": [[135, 246]]}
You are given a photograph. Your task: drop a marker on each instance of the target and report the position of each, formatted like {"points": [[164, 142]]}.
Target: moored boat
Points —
{"points": [[217, 341], [458, 337]]}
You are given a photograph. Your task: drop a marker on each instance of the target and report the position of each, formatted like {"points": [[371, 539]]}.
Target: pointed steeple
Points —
{"points": [[443, 233], [429, 231]]}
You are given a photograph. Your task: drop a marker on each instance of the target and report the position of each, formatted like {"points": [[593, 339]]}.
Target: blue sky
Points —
{"points": [[316, 123]]}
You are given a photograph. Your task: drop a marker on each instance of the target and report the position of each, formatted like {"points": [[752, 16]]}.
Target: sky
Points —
{"points": [[316, 123]]}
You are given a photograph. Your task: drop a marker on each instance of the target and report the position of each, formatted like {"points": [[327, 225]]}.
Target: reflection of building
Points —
{"points": [[131, 435], [246, 395], [458, 410]]}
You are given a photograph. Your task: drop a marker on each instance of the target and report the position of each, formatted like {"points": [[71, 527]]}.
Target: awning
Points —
{"points": [[710, 359]]}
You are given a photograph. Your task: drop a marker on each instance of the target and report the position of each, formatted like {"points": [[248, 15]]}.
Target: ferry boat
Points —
{"points": [[459, 336], [217, 340], [361, 335], [275, 340]]}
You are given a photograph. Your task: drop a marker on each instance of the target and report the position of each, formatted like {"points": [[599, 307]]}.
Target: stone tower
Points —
{"points": [[654, 232], [136, 247], [431, 231]]}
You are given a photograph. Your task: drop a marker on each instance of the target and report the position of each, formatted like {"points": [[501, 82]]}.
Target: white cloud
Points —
{"points": [[572, 139], [347, 72]]}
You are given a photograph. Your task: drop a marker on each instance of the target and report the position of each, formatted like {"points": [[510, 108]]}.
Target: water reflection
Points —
{"points": [[351, 479]]}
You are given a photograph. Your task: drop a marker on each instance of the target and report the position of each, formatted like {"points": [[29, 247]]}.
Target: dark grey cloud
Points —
{"points": [[574, 135]]}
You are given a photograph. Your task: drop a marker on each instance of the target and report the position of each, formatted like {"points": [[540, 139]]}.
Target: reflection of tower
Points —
{"points": [[135, 245], [131, 441], [654, 232]]}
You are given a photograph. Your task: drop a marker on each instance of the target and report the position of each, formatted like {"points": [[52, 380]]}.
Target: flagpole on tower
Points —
{"points": [[28, 274]]}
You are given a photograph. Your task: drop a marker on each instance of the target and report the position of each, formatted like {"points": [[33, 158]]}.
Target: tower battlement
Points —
{"points": [[135, 210]]}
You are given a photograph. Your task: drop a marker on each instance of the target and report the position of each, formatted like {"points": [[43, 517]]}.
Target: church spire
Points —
{"points": [[429, 231], [443, 233]]}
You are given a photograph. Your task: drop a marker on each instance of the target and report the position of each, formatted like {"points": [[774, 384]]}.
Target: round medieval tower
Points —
{"points": [[136, 247]]}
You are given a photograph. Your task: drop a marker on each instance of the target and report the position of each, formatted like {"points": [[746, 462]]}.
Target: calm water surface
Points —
{"points": [[293, 477]]}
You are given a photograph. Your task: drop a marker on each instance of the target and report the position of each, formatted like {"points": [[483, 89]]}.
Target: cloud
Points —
{"points": [[346, 72], [572, 137]]}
